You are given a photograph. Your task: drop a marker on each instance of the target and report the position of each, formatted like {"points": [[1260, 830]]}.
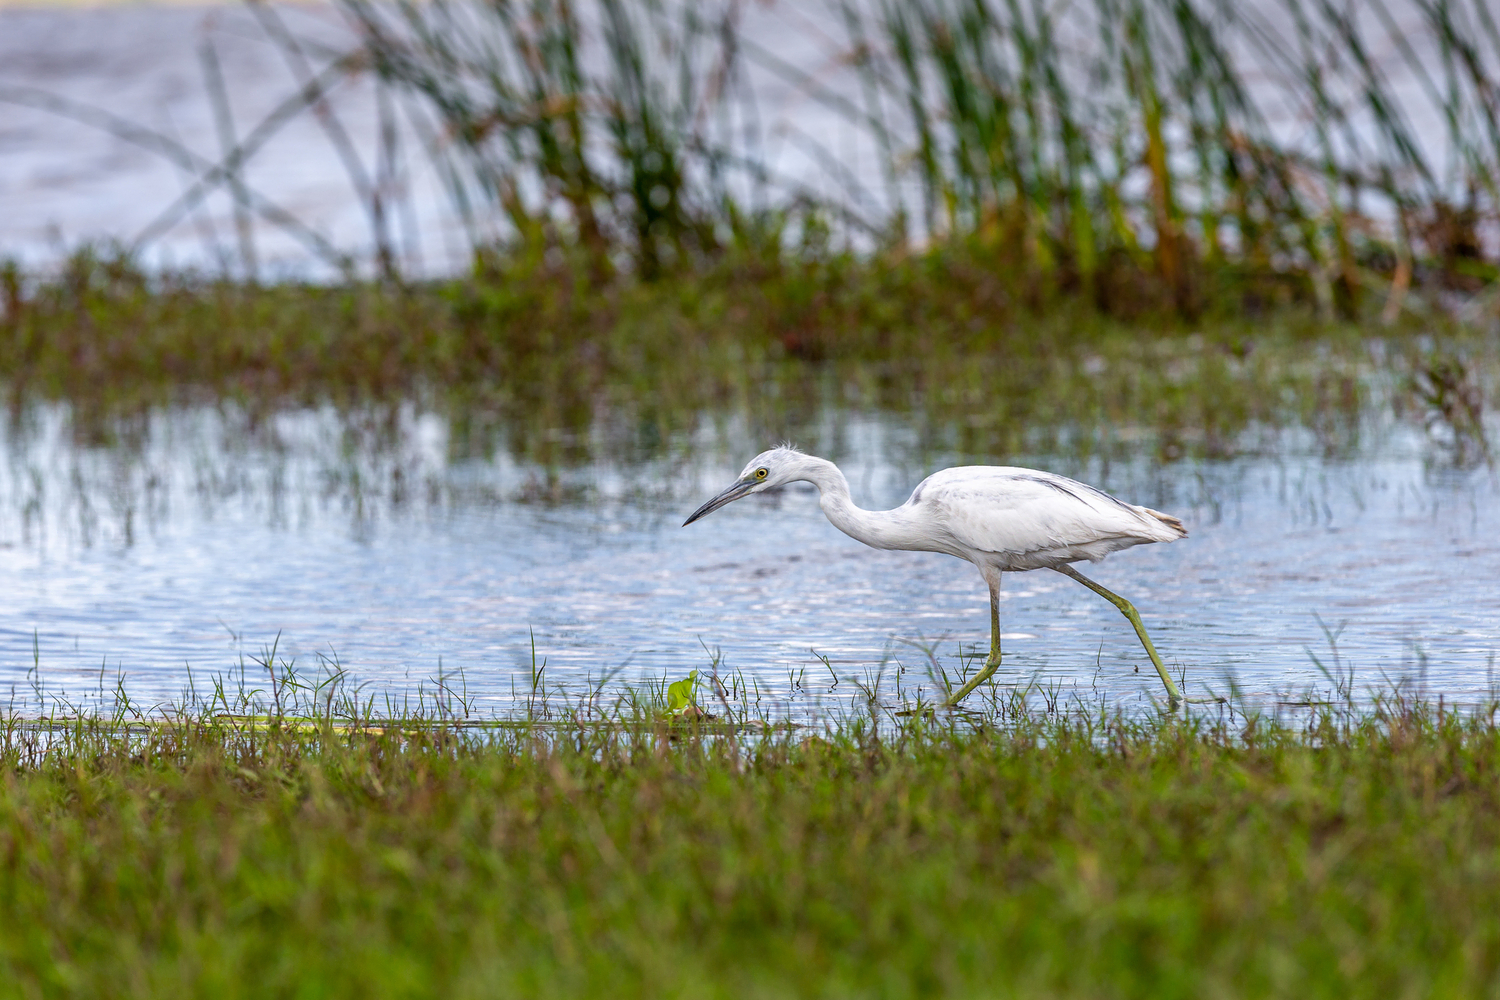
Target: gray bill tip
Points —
{"points": [[732, 493]]}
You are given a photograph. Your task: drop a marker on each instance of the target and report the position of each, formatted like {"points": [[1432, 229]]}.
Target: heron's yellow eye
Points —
{"points": [[760, 473]]}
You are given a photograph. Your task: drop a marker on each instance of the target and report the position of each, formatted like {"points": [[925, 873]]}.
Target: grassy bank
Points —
{"points": [[1054, 857]]}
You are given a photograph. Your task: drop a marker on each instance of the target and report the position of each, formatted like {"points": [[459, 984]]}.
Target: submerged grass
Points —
{"points": [[1018, 854]]}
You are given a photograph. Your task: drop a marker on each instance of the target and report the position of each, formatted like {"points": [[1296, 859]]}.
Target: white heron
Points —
{"points": [[1001, 519]]}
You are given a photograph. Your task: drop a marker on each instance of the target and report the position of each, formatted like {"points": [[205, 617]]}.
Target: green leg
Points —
{"points": [[993, 662], [1128, 610]]}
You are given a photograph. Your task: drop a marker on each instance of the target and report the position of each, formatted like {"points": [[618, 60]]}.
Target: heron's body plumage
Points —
{"points": [[1023, 519]]}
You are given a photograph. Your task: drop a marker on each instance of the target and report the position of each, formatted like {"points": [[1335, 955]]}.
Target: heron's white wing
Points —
{"points": [[1017, 511]]}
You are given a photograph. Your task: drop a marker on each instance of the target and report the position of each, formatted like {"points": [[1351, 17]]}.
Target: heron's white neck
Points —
{"points": [[881, 529]]}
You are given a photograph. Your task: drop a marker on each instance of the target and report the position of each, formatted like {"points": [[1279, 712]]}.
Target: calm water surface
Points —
{"points": [[194, 539]]}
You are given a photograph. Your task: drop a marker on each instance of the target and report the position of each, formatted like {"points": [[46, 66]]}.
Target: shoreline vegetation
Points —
{"points": [[1147, 157], [1150, 158], [525, 355], [1157, 156]]}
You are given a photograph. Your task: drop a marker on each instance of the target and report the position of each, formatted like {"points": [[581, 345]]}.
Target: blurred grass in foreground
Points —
{"points": [[1016, 853]]}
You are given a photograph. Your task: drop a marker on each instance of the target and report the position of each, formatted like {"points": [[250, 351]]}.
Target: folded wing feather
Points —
{"points": [[1024, 519]]}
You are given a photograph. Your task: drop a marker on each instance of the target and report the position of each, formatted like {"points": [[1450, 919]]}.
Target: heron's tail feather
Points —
{"points": [[1167, 519]]}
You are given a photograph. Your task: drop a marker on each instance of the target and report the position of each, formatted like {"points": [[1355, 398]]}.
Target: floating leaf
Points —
{"points": [[680, 694]]}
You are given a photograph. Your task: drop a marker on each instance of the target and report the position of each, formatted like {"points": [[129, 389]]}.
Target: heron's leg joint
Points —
{"points": [[992, 662], [1128, 610]]}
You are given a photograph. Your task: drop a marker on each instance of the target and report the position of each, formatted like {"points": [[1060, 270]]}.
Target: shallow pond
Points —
{"points": [[198, 539]]}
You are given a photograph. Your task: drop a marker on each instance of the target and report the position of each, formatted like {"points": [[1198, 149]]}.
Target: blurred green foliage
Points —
{"points": [[527, 352]]}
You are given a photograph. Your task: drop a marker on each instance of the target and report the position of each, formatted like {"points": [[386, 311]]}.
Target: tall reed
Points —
{"points": [[603, 126], [1137, 131], [1147, 151]]}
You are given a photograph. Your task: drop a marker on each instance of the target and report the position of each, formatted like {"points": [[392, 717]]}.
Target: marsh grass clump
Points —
{"points": [[604, 127], [1452, 406], [1059, 855]]}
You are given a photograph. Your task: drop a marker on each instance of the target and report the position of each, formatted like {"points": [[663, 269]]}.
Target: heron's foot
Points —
{"points": [[990, 666], [1176, 701]]}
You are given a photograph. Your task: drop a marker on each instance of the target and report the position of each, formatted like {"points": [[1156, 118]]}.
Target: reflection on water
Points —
{"points": [[195, 538]]}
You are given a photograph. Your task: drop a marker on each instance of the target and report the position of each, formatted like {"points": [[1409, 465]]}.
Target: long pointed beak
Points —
{"points": [[728, 496]]}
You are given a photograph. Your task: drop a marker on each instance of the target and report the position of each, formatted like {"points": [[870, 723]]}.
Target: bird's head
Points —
{"points": [[770, 468]]}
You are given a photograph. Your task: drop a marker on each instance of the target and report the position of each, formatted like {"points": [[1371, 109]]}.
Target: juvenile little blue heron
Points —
{"points": [[1001, 519]]}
